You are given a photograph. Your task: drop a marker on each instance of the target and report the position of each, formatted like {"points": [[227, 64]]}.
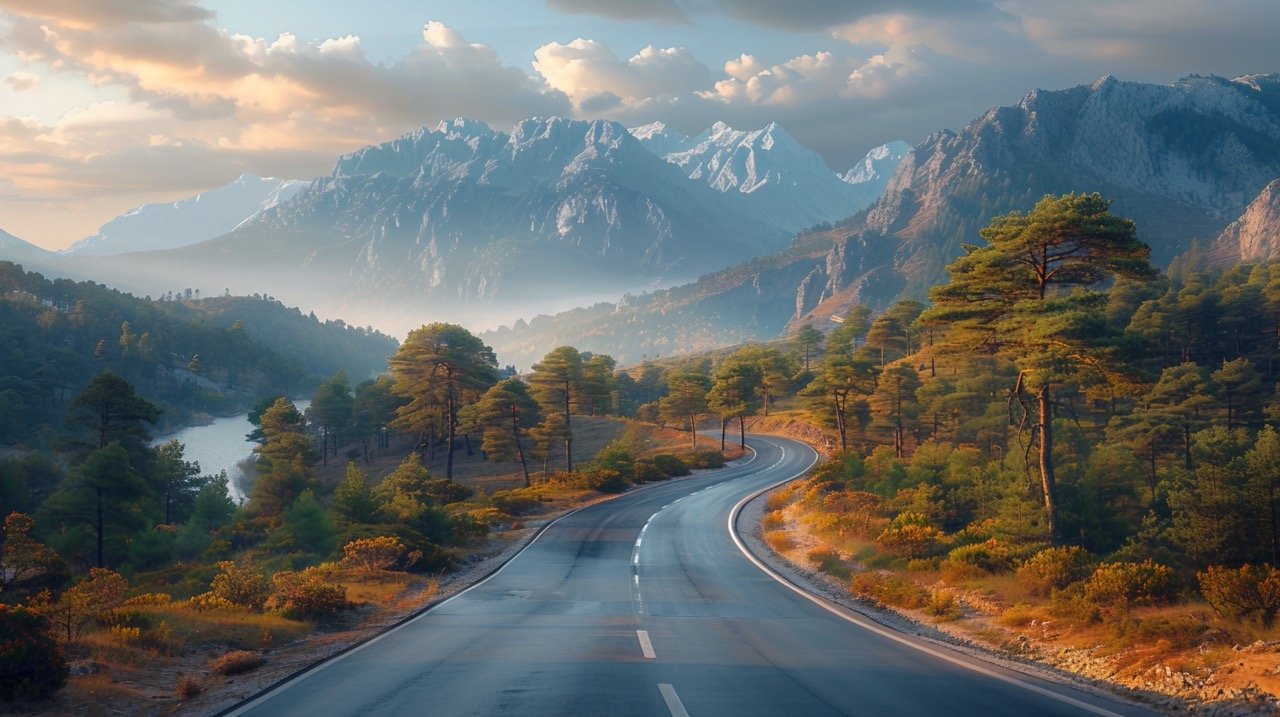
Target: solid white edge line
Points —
{"points": [[882, 631], [646, 645], [673, 700]]}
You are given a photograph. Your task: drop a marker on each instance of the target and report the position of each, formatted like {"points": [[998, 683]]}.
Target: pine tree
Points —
{"points": [[439, 369], [686, 398], [556, 381], [1027, 295], [505, 415]]}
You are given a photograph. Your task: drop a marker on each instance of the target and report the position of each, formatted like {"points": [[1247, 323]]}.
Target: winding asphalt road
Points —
{"points": [[645, 605]]}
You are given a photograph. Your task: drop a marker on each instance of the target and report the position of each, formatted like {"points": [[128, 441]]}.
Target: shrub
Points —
{"points": [[615, 457], [241, 585], [85, 602], [779, 541], [606, 481], [892, 590], [911, 540], [1123, 584], [237, 662], [31, 663], [209, 601], [188, 688], [379, 553], [517, 501], [829, 562], [308, 594], [1054, 569], [990, 556], [704, 459], [943, 605], [1242, 592], [670, 465]]}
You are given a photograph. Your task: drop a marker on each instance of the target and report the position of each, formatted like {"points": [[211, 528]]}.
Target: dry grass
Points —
{"points": [[237, 662], [188, 687], [779, 541]]}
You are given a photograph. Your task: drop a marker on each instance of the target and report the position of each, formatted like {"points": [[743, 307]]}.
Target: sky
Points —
{"points": [[106, 105]]}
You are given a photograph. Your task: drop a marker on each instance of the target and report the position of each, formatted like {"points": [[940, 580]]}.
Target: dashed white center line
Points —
{"points": [[673, 700], [646, 645]]}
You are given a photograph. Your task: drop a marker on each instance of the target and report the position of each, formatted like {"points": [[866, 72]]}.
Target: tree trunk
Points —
{"points": [[452, 420], [693, 431], [897, 440], [723, 422], [98, 530], [742, 431], [515, 433], [1186, 445], [568, 430], [765, 387], [1047, 482]]}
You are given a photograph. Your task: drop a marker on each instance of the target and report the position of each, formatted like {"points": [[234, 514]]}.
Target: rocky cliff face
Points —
{"points": [[1181, 160], [1255, 236]]}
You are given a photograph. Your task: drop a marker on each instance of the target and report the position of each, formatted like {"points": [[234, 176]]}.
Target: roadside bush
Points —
{"points": [[911, 540], [893, 590], [829, 562], [208, 601], [943, 605], [83, 603], [241, 585], [380, 553], [1054, 569], [237, 662], [991, 556], [188, 688], [31, 662], [704, 459], [1243, 592], [606, 481], [615, 457], [308, 594], [517, 501], [1124, 584], [670, 465]]}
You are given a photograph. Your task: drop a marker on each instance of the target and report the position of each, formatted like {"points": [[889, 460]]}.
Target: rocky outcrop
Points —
{"points": [[1255, 236]]}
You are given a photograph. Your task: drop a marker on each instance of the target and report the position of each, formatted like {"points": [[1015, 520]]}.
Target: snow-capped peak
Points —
{"points": [[878, 163]]}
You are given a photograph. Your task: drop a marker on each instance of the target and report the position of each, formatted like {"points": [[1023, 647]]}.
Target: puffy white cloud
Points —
{"points": [[21, 81], [585, 69]]}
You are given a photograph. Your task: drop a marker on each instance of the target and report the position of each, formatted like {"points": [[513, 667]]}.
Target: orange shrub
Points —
{"points": [[378, 553], [1244, 591]]}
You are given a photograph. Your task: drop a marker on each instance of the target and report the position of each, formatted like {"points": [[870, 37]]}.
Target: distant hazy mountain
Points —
{"points": [[1255, 236], [790, 187], [22, 252], [1182, 160], [188, 221], [466, 223]]}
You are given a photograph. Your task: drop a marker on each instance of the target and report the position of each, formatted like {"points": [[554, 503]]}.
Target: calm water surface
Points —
{"points": [[220, 446]]}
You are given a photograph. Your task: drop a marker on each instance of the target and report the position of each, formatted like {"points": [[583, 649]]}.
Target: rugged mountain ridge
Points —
{"points": [[20, 251], [1182, 160], [790, 187], [188, 221], [463, 222]]}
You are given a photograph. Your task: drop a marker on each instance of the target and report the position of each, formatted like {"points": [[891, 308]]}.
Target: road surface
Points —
{"points": [[645, 605]]}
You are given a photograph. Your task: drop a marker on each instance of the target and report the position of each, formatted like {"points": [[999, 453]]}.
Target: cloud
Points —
{"points": [[585, 69], [94, 13], [21, 81]]}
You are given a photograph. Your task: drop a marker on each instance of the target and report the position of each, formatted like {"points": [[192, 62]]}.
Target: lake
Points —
{"points": [[220, 446]]}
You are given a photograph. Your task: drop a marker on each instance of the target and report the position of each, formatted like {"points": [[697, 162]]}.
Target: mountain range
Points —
{"points": [[470, 224], [188, 221], [1183, 161]]}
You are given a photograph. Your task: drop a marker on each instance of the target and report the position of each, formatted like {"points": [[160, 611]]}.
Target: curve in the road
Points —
{"points": [[647, 605]]}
